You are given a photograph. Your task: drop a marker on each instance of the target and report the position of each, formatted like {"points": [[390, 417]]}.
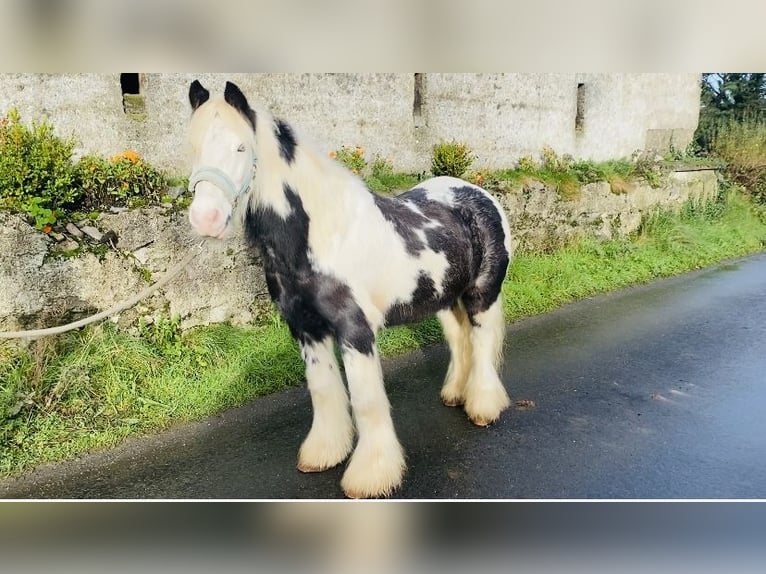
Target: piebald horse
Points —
{"points": [[341, 262]]}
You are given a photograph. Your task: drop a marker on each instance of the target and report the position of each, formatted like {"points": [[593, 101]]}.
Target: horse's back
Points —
{"points": [[473, 203]]}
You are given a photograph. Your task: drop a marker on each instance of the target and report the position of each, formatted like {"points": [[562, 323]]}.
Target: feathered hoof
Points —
{"points": [[374, 472], [453, 401], [486, 408], [319, 453], [451, 397]]}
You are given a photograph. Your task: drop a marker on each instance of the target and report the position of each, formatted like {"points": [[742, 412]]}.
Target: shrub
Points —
{"points": [[39, 178], [36, 171], [551, 161], [125, 179], [526, 163], [451, 158]]}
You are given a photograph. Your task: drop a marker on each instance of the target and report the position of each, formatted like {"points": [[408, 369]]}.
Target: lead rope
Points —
{"points": [[36, 333]]}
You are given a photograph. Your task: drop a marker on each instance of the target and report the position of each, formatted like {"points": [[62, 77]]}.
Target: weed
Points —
{"points": [[451, 158], [353, 159], [163, 333], [379, 176], [648, 169], [526, 163]]}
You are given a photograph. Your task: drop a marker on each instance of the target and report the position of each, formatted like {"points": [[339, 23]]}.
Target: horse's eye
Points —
{"points": [[241, 147]]}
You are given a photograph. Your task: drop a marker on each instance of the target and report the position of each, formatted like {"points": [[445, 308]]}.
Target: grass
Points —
{"points": [[741, 144], [567, 176], [93, 388], [383, 179], [666, 245]]}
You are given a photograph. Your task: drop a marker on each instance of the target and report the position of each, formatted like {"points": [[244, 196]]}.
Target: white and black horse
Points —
{"points": [[342, 262]]}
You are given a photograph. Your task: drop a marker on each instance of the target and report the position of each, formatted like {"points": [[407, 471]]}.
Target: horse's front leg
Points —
{"points": [[330, 438], [377, 466]]}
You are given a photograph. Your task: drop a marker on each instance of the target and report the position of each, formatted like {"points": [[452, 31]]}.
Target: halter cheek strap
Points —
{"points": [[219, 179]]}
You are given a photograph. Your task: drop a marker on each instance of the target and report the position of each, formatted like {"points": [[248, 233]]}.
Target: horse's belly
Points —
{"points": [[431, 293], [404, 313]]}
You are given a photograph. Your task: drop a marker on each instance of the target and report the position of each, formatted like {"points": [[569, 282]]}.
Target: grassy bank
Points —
{"points": [[93, 388]]}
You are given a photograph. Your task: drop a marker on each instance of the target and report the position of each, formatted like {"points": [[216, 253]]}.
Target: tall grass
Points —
{"points": [[741, 143]]}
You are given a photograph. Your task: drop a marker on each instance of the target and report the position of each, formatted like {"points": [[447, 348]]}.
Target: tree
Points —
{"points": [[733, 95], [729, 97]]}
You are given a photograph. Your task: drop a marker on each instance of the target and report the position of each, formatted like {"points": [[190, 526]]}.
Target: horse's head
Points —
{"points": [[223, 144]]}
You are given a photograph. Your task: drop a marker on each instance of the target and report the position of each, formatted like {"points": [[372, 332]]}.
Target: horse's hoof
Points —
{"points": [[486, 407], [362, 494], [482, 421], [321, 450], [453, 402], [374, 471], [313, 468]]}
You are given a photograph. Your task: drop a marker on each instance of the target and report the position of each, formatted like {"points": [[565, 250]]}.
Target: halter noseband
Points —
{"points": [[220, 180]]}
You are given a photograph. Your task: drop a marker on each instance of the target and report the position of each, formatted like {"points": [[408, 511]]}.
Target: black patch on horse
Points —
{"points": [[405, 221], [314, 305], [236, 99], [284, 134], [424, 302], [197, 95], [489, 250]]}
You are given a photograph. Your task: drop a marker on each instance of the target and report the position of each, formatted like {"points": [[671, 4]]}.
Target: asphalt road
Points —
{"points": [[654, 392]]}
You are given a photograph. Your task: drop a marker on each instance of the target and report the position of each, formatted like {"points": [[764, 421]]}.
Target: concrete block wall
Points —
{"points": [[501, 116]]}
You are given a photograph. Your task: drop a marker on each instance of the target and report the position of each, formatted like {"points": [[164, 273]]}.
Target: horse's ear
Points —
{"points": [[197, 95], [235, 98]]}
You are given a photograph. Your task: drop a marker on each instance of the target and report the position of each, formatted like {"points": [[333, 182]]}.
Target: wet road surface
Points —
{"points": [[654, 392]]}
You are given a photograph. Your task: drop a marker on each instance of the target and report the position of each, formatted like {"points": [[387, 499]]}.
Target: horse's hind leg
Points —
{"points": [[485, 395], [330, 438], [457, 332]]}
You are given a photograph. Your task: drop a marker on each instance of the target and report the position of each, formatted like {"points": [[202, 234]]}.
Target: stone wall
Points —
{"points": [[501, 116], [46, 280]]}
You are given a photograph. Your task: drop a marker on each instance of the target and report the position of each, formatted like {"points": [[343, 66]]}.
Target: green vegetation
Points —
{"points": [[567, 176], [741, 144], [383, 179], [93, 388], [451, 158], [728, 97], [732, 128], [39, 178], [378, 176], [124, 179], [36, 175], [667, 244]]}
